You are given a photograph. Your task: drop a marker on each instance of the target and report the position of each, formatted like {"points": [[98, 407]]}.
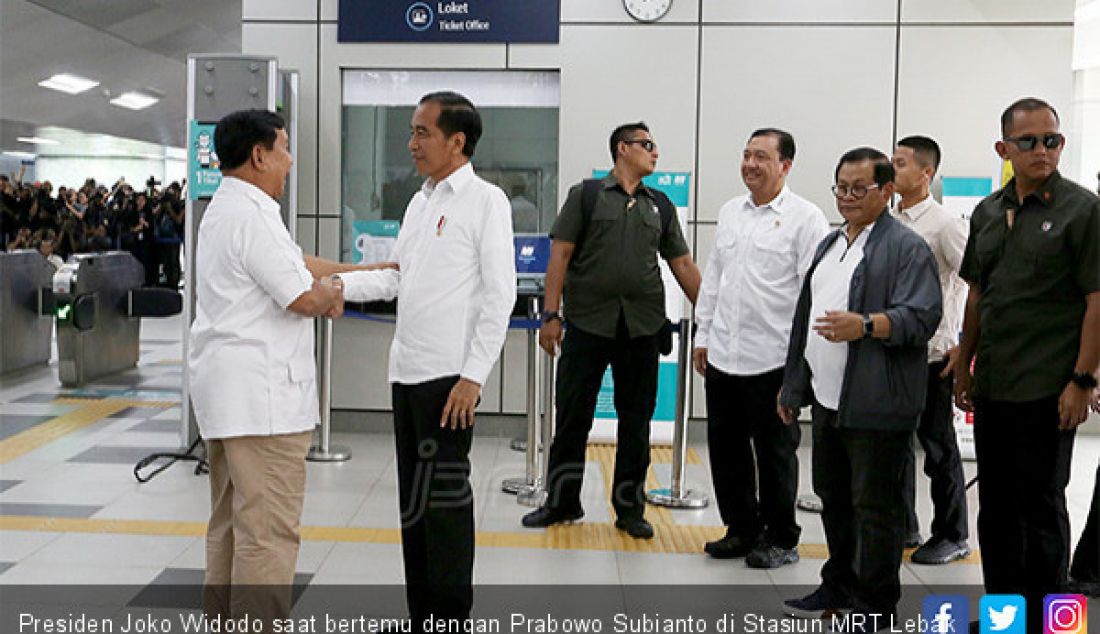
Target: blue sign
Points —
{"points": [[1002, 613], [532, 255], [946, 614], [675, 185], [203, 173], [449, 21]]}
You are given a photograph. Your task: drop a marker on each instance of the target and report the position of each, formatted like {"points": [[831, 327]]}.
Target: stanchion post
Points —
{"points": [[520, 485], [535, 495], [323, 451], [678, 496]]}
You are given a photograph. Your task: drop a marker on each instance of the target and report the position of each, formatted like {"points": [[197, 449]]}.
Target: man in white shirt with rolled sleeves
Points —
{"points": [[456, 288], [764, 244], [916, 160], [251, 371]]}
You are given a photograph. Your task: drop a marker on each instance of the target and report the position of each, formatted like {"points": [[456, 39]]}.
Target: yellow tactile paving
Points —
{"points": [[88, 412], [669, 537]]}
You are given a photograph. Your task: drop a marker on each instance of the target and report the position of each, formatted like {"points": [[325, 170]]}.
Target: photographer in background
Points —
{"points": [[169, 217]]}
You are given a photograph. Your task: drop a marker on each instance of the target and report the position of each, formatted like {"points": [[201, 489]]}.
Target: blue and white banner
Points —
{"points": [[449, 21]]}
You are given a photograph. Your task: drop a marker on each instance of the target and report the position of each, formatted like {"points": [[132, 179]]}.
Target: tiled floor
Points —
{"points": [[72, 512]]}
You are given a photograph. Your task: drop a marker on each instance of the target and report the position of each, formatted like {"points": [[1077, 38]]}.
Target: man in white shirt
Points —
{"points": [[916, 160], [251, 371], [763, 247], [457, 288]]}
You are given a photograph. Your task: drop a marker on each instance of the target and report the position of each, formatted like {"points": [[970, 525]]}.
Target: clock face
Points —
{"points": [[647, 10]]}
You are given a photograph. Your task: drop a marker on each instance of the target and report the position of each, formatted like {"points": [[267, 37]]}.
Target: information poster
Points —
{"points": [[374, 240], [203, 173], [677, 186]]}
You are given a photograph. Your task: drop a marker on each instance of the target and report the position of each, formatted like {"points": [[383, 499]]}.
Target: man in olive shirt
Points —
{"points": [[615, 306], [1033, 316]]}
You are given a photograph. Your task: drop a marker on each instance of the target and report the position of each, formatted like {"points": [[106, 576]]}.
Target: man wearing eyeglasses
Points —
{"points": [[604, 253], [1033, 319], [763, 247], [870, 302]]}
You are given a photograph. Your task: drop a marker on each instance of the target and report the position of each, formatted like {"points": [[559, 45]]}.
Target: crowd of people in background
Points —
{"points": [[147, 222]]}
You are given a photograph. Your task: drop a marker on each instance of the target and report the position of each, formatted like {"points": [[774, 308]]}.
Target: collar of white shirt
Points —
{"points": [[456, 180], [916, 211], [863, 235], [775, 204], [245, 188]]}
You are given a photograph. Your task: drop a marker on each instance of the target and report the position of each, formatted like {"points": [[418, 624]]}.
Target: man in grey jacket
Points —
{"points": [[868, 306]]}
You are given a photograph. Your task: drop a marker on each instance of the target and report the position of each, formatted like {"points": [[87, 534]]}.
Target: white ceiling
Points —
{"points": [[126, 45]]}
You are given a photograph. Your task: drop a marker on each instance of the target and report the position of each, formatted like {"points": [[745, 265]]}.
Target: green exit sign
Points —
{"points": [[64, 311]]}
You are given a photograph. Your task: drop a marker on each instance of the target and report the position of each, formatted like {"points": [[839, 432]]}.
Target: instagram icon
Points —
{"points": [[1065, 614]]}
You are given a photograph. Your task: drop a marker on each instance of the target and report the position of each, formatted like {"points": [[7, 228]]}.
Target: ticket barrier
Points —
{"points": [[26, 331], [98, 303]]}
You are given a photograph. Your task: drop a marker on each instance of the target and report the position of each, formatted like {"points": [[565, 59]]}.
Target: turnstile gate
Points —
{"points": [[24, 330]]}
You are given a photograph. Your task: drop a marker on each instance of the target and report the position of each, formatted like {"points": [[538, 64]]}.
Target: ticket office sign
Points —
{"points": [[526, 21]]}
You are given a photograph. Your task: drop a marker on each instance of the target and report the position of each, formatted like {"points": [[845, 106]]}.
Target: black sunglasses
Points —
{"points": [[1027, 143], [647, 144]]}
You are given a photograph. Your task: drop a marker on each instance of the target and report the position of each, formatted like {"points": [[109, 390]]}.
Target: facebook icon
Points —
{"points": [[946, 613]]}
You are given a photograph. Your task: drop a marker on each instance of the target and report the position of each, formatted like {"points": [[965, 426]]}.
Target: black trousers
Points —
{"points": [[1086, 559], [858, 475], [437, 502], [584, 358], [746, 437], [942, 463], [1023, 524]]}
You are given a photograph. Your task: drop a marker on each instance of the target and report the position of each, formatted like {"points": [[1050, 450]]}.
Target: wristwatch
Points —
{"points": [[1084, 380], [550, 314], [868, 326]]}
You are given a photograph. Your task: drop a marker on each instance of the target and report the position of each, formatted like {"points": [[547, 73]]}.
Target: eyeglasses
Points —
{"points": [[855, 191], [647, 144], [1027, 143]]}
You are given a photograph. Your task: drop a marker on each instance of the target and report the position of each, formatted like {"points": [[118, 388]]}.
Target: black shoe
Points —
{"points": [[765, 556], [818, 604], [729, 547], [545, 516], [912, 540], [937, 551], [637, 528]]}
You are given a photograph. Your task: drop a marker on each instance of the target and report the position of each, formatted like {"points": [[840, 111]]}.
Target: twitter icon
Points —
{"points": [[1003, 614]]}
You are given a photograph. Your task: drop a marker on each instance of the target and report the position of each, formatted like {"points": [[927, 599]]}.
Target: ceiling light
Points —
{"points": [[72, 84], [19, 155], [37, 140], [134, 100]]}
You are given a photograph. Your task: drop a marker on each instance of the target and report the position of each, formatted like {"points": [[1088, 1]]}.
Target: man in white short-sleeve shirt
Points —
{"points": [[251, 371], [763, 247]]}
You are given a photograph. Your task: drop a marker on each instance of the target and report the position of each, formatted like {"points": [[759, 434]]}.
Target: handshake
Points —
{"points": [[329, 289]]}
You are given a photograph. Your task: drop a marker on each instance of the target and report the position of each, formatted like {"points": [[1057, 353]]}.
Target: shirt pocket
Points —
{"points": [[772, 255]]}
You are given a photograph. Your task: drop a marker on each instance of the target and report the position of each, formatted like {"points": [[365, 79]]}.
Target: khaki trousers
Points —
{"points": [[257, 484]]}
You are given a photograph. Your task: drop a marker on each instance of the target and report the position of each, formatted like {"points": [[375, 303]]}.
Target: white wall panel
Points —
{"points": [[534, 56], [360, 362], [950, 11], [815, 11], [279, 10], [603, 85], [839, 99], [613, 11], [295, 46], [955, 82], [328, 238], [306, 237], [330, 9], [514, 372]]}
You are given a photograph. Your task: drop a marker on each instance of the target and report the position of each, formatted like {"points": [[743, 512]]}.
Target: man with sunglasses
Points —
{"points": [[615, 306], [869, 304], [1033, 318]]}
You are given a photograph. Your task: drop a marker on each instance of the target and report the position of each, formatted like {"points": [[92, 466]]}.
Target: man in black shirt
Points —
{"points": [[1033, 318]]}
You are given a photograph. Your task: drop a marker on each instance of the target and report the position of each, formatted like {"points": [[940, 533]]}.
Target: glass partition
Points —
{"points": [[518, 150]]}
